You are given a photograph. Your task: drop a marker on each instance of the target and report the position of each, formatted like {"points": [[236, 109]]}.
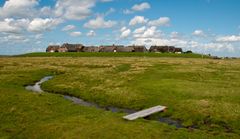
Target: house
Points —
{"points": [[171, 49], [178, 50], [163, 49], [91, 49], [125, 49], [72, 47], [62, 49], [53, 48], [157, 49], [109, 48], [139, 48]]}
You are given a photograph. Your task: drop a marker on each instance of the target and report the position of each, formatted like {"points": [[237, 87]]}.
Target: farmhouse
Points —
{"points": [[72, 47], [125, 49], [66, 47], [91, 49], [139, 48], [132, 48], [110, 48], [53, 48], [62, 49], [178, 50], [165, 49], [107, 48]]}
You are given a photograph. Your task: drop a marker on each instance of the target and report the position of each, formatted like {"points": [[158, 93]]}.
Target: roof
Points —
{"points": [[107, 48], [53, 47], [125, 49]]}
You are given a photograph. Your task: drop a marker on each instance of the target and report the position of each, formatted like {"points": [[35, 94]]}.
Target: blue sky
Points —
{"points": [[203, 26]]}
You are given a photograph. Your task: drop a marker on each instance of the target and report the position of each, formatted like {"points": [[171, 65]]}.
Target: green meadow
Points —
{"points": [[202, 94], [110, 54]]}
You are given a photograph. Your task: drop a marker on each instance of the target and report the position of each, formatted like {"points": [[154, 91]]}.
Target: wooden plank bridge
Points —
{"points": [[144, 113]]}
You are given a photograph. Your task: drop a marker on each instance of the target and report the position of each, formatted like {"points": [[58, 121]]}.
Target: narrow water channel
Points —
{"points": [[37, 88]]}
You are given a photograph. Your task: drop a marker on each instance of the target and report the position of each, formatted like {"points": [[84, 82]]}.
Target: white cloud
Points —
{"points": [[18, 8], [38, 36], [123, 29], [91, 33], [198, 33], [150, 32], [127, 11], [111, 10], [74, 9], [46, 11], [162, 21], [75, 34], [10, 25], [216, 47], [68, 28], [232, 38], [139, 30], [125, 32], [99, 22], [41, 25], [141, 7], [174, 35], [13, 39], [151, 41], [106, 0], [138, 20], [137, 7]]}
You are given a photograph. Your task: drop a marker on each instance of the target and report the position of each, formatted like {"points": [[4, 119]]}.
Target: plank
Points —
{"points": [[144, 113]]}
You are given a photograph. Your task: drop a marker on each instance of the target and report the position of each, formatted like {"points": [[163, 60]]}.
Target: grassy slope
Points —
{"points": [[200, 92], [105, 54]]}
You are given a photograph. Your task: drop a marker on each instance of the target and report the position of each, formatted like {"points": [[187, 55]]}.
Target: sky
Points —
{"points": [[203, 26]]}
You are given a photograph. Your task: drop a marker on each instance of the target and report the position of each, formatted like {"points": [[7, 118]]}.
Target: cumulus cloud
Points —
{"points": [[162, 21], [41, 25], [198, 33], [150, 32], [91, 33], [75, 34], [144, 32], [74, 9], [18, 8], [46, 11], [141, 7], [138, 20], [174, 35], [68, 28], [137, 7], [13, 38], [218, 47], [99, 22], [10, 25], [125, 32], [232, 38], [151, 41], [139, 30]]}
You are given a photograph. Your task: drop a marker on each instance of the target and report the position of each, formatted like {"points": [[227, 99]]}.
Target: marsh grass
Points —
{"points": [[110, 54], [203, 93]]}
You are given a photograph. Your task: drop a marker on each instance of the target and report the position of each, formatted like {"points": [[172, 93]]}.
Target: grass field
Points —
{"points": [[203, 93], [106, 54]]}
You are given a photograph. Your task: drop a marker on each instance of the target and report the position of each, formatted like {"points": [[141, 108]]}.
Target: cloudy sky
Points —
{"points": [[203, 26]]}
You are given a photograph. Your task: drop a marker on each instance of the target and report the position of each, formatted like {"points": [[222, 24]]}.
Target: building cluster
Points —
{"points": [[111, 48]]}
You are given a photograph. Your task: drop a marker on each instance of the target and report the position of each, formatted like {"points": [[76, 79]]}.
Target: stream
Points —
{"points": [[37, 88]]}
